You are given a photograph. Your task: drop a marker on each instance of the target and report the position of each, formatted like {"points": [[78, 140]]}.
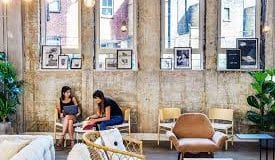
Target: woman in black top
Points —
{"points": [[66, 99], [108, 112]]}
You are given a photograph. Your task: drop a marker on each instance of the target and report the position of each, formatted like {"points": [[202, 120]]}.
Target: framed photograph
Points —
{"points": [[63, 61], [166, 63], [76, 63], [110, 63], [124, 59], [249, 52], [183, 57], [233, 57], [50, 55]]}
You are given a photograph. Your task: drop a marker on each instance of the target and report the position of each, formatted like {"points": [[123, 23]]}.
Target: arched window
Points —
{"points": [[239, 32], [115, 35], [182, 28]]}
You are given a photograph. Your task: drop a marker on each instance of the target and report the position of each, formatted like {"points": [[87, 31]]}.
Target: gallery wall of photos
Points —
{"points": [[53, 58]]}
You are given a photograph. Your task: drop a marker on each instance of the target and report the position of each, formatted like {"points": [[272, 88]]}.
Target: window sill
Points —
{"points": [[239, 70]]}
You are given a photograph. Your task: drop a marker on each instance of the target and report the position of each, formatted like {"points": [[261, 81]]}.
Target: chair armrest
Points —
{"points": [[219, 138], [172, 137], [133, 145]]}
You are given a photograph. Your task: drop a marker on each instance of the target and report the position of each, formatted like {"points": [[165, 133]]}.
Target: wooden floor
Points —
{"points": [[240, 151]]}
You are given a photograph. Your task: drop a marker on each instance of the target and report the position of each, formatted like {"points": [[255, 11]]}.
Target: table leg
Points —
{"points": [[76, 137], [260, 148], [273, 147], [266, 149]]}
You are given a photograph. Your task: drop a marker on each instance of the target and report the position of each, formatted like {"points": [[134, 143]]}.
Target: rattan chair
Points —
{"points": [[126, 125], [134, 148], [170, 115], [225, 124]]}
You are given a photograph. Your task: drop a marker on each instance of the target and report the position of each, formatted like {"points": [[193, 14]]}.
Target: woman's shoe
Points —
{"points": [[71, 145], [60, 144]]}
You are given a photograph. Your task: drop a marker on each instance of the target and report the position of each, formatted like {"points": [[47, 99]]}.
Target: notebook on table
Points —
{"points": [[70, 110]]}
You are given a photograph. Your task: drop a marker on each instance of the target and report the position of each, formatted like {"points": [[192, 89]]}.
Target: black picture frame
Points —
{"points": [[3, 56], [166, 63], [233, 59], [76, 63], [63, 61], [110, 63], [249, 52], [124, 59], [49, 56], [182, 57]]}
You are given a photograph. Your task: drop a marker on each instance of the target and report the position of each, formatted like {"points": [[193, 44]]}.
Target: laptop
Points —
{"points": [[70, 110]]}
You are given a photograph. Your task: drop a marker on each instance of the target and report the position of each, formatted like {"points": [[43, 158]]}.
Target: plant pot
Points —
{"points": [[270, 142], [5, 127]]}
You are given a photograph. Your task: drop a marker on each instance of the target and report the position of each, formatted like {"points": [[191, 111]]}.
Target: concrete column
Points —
{"points": [[87, 51], [148, 48], [31, 41], [269, 51], [211, 34]]}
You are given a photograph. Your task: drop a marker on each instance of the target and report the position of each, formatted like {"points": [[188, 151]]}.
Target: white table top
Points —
{"points": [[80, 130], [254, 136]]}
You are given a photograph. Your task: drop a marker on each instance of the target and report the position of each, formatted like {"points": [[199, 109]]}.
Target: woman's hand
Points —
{"points": [[61, 115], [88, 118]]}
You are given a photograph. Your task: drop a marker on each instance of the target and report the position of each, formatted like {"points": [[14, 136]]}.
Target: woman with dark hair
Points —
{"points": [[108, 112], [68, 120]]}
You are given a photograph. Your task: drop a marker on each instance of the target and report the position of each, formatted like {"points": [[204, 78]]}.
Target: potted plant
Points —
{"points": [[263, 102], [262, 113], [10, 88]]}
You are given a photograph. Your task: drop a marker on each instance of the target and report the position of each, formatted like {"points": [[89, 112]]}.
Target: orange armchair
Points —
{"points": [[193, 132]]}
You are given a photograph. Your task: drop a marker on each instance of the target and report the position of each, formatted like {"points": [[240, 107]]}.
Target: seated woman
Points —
{"points": [[108, 112], [68, 120]]}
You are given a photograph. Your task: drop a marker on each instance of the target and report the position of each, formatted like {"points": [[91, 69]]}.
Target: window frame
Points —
{"points": [[99, 50], [59, 7], [107, 7], [43, 39], [222, 51], [199, 50]]}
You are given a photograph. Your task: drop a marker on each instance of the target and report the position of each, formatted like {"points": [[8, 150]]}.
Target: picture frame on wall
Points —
{"points": [[63, 61], [3, 56], [110, 63], [49, 56], [249, 52], [233, 59], [76, 63], [124, 59], [166, 63], [183, 57]]}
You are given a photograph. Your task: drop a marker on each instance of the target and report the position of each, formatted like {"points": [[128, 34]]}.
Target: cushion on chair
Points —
{"points": [[167, 125], [184, 127], [197, 145], [221, 126], [112, 138], [120, 125]]}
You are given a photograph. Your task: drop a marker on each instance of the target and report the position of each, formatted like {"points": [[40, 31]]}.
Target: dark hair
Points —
{"points": [[99, 94], [50, 55], [63, 90]]}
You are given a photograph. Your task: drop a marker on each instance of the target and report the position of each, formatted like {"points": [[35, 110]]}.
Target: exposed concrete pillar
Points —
{"points": [[31, 41], [148, 48], [87, 51], [211, 34], [269, 51]]}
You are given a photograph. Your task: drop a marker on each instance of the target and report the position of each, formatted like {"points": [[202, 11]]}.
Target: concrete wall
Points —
{"points": [[145, 90]]}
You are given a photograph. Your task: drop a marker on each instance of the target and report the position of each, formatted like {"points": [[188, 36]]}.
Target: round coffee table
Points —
{"points": [[79, 131]]}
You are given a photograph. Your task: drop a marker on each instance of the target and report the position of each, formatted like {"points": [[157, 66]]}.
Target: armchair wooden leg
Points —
{"points": [[158, 135], [179, 156]]}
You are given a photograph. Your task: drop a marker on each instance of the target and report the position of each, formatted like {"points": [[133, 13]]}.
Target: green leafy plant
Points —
{"points": [[10, 89], [263, 102]]}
